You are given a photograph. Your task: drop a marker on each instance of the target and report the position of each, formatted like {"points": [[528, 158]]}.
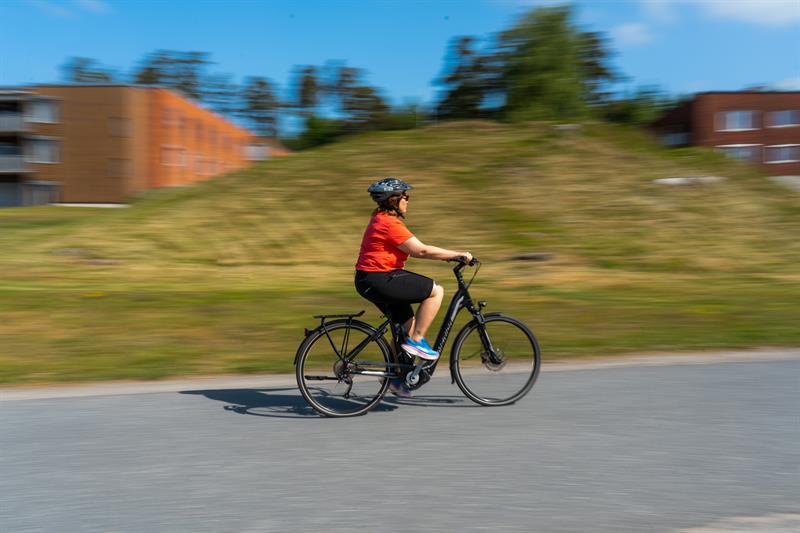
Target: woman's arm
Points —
{"points": [[415, 248]]}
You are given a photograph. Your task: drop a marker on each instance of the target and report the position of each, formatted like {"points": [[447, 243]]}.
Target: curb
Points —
{"points": [[117, 388]]}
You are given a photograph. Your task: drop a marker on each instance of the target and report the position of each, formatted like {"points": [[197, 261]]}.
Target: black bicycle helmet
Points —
{"points": [[385, 188]]}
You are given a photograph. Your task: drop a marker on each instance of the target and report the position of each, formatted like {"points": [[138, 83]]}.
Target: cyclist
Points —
{"points": [[381, 279]]}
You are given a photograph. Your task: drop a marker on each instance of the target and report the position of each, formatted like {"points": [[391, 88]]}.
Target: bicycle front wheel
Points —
{"points": [[337, 385], [496, 363]]}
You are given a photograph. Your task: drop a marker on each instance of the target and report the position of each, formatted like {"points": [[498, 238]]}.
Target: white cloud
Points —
{"points": [[632, 33], [94, 6], [765, 12], [66, 11], [660, 10], [789, 84], [760, 12], [52, 9]]}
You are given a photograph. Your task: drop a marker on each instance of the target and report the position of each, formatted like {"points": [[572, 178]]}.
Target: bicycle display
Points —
{"points": [[344, 365]]}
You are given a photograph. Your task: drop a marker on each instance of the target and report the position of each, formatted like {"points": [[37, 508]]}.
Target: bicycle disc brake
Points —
{"points": [[493, 361]]}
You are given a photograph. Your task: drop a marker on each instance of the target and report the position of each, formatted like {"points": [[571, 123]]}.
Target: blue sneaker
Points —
{"points": [[420, 348], [398, 388]]}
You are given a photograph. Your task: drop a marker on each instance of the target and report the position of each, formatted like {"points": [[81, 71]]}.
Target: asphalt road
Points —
{"points": [[695, 448]]}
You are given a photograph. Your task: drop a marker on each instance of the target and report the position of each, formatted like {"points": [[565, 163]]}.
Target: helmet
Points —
{"points": [[384, 189]]}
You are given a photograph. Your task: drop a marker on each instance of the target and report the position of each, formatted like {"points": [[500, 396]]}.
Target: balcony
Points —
{"points": [[13, 164], [12, 122]]}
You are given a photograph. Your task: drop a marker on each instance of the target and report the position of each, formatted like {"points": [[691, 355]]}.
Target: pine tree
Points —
{"points": [[260, 106]]}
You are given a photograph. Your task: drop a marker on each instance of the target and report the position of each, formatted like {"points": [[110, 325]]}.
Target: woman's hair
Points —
{"points": [[390, 206]]}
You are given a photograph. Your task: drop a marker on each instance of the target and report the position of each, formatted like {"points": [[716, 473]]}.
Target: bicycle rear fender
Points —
{"points": [[312, 332], [469, 325]]}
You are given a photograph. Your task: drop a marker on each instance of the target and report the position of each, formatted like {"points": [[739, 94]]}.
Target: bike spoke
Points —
{"points": [[498, 362], [336, 386]]}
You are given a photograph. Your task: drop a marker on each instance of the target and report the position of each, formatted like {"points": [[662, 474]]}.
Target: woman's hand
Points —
{"points": [[466, 256]]}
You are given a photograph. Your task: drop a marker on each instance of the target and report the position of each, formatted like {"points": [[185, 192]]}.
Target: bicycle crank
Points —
{"points": [[420, 375]]}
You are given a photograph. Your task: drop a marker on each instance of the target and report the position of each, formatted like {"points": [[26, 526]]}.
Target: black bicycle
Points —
{"points": [[344, 366]]}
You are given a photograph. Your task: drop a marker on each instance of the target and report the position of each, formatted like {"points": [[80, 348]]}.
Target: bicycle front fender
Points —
{"points": [[457, 342]]}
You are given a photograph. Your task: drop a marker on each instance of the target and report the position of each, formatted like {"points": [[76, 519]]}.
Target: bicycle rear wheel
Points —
{"points": [[496, 363], [334, 387]]}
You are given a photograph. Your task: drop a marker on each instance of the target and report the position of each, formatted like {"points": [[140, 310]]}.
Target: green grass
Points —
{"points": [[222, 277]]}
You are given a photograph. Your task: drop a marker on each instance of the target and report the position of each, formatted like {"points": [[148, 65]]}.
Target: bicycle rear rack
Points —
{"points": [[346, 315]]}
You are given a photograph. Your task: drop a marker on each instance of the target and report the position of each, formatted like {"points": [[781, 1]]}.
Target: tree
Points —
{"points": [[361, 105], [260, 107], [317, 131], [597, 74], [221, 93], [550, 69], [86, 70], [308, 90], [469, 81], [365, 108], [184, 71], [642, 107]]}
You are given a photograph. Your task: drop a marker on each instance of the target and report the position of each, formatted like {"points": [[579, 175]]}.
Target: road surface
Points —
{"points": [[697, 448]]}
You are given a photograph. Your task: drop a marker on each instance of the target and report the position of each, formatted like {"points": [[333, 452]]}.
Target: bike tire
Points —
{"points": [[323, 384], [495, 383]]}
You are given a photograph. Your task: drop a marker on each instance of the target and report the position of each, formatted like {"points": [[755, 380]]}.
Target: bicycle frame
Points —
{"points": [[460, 300]]}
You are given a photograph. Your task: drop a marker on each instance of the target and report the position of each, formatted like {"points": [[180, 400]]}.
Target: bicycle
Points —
{"points": [[495, 359]]}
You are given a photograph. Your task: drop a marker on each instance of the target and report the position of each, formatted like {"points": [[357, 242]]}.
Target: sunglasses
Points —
{"points": [[404, 197]]}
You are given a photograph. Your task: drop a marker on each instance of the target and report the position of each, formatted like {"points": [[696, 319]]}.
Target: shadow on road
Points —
{"points": [[275, 402], [286, 402]]}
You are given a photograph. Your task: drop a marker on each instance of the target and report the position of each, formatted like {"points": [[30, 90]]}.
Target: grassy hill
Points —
{"points": [[223, 276]]}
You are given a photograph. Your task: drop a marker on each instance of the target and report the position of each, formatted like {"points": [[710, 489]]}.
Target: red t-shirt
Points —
{"points": [[379, 247]]}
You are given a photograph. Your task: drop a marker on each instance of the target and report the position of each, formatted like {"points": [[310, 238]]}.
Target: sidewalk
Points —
{"points": [[115, 388]]}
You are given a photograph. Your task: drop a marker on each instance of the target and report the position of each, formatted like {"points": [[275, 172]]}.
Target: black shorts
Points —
{"points": [[394, 292]]}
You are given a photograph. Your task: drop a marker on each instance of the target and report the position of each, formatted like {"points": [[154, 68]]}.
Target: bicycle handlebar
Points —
{"points": [[462, 263]]}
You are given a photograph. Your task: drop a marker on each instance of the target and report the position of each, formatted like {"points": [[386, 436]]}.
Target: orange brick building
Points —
{"points": [[188, 143], [106, 143]]}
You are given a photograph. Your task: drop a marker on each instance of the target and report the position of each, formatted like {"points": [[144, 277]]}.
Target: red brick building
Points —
{"points": [[762, 127]]}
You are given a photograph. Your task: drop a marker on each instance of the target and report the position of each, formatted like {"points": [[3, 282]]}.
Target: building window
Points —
{"points": [[119, 168], [737, 120], [43, 151], [675, 139], [743, 152], [119, 127], [782, 153], [784, 118], [8, 148], [167, 117], [173, 156], [43, 110]]}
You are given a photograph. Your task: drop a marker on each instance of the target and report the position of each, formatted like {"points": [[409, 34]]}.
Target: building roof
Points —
{"points": [[748, 91]]}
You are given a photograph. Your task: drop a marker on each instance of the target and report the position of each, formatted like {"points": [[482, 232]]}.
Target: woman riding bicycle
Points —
{"points": [[380, 277]]}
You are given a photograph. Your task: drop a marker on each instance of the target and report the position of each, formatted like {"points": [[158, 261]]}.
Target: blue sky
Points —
{"points": [[682, 46]]}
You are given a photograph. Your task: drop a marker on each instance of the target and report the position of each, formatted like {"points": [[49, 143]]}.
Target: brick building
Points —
{"points": [[762, 127], [106, 143]]}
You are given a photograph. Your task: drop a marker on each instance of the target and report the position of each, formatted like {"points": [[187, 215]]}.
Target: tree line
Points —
{"points": [[544, 67]]}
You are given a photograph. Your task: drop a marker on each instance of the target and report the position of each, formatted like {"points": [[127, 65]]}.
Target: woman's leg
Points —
{"points": [[418, 326], [409, 325]]}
